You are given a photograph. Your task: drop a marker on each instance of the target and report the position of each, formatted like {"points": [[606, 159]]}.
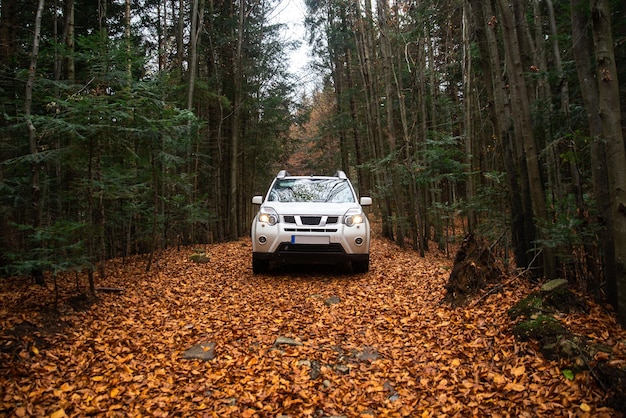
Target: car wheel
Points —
{"points": [[260, 266], [360, 266]]}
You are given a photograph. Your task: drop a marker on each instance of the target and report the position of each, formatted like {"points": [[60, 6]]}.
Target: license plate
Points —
{"points": [[307, 239]]}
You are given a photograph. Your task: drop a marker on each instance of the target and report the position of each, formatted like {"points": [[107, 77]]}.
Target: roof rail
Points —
{"points": [[341, 174], [282, 174]]}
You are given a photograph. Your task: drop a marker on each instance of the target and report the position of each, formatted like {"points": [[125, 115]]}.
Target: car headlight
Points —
{"points": [[353, 217], [268, 215]]}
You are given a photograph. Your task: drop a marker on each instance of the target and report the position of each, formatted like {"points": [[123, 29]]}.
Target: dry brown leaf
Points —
{"points": [[60, 413], [518, 371], [517, 387], [124, 355]]}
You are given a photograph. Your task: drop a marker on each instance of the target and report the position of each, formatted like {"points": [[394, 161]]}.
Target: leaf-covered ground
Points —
{"points": [[379, 344]]}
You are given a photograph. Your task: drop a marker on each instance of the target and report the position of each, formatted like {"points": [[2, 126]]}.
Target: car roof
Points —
{"points": [[284, 174]]}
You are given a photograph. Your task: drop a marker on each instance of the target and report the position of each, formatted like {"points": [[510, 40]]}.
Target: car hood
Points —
{"points": [[311, 208]]}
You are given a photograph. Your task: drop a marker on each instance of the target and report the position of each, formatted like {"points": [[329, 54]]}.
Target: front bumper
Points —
{"points": [[288, 253], [315, 245]]}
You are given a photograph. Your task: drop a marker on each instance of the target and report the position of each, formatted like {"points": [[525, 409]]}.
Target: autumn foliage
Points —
{"points": [[315, 342]]}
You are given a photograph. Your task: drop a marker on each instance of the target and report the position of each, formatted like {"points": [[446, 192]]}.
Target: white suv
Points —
{"points": [[310, 220]]}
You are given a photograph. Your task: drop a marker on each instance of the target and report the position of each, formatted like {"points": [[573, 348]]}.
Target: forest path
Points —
{"points": [[297, 342]]}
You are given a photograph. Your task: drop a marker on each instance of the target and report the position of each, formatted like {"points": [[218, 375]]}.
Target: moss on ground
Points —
{"points": [[542, 328]]}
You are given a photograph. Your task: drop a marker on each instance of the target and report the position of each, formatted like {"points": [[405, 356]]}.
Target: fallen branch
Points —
{"points": [[583, 356], [508, 282], [109, 290]]}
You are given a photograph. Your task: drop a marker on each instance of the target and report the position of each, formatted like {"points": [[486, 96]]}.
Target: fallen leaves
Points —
{"points": [[297, 343]]}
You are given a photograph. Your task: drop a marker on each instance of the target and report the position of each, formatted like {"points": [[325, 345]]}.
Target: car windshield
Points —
{"points": [[312, 190]]}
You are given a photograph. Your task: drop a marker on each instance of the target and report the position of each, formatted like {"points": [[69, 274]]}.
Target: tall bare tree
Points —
{"points": [[364, 32], [197, 19], [582, 51], [32, 133], [238, 71], [64, 62], [486, 26], [468, 106], [522, 124], [8, 10], [610, 118]]}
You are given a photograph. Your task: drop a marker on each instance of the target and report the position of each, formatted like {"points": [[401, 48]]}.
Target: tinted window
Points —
{"points": [[312, 190]]}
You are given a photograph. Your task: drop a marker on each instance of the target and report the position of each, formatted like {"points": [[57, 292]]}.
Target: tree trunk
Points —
{"points": [[406, 153], [160, 33], [64, 66], [102, 16], [556, 50], [127, 40], [35, 186], [522, 122], [235, 123], [387, 67], [364, 179], [339, 64], [180, 36], [421, 139], [365, 50], [468, 122], [8, 9], [197, 13], [610, 114], [154, 242], [582, 50], [486, 24]]}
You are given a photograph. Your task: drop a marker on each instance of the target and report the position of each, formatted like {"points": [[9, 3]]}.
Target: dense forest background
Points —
{"points": [[128, 126]]}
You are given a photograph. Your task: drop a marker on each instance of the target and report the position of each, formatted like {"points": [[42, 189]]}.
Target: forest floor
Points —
{"points": [[314, 342]]}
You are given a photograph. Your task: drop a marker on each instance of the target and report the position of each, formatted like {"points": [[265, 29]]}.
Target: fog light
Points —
{"points": [[358, 241], [262, 239]]}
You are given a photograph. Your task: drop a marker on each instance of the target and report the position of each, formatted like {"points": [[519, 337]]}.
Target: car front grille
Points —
{"points": [[310, 229], [310, 220]]}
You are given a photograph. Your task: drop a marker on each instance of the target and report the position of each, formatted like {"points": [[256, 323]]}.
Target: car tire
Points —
{"points": [[361, 266], [260, 266]]}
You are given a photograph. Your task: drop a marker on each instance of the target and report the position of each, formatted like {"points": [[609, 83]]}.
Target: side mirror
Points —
{"points": [[257, 200], [366, 201]]}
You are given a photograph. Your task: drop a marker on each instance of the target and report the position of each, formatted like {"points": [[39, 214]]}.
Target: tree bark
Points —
{"points": [[522, 123], [582, 50], [388, 79], [197, 13], [8, 9], [236, 121], [180, 36], [610, 117], [364, 39], [128, 41], [64, 66], [102, 16], [468, 122], [486, 23], [556, 50], [35, 186]]}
